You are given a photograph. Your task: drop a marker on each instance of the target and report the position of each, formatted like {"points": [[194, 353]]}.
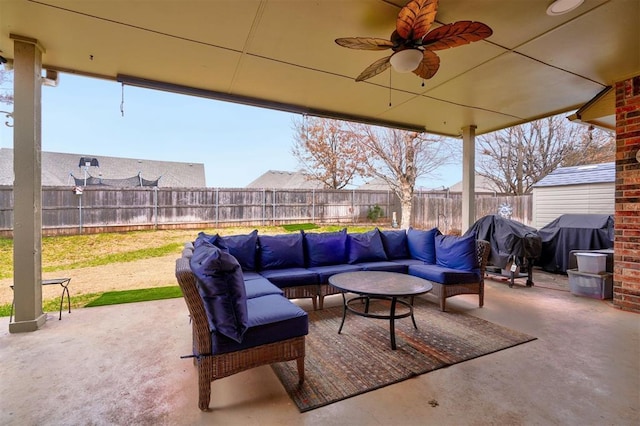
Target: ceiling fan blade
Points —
{"points": [[428, 66], [365, 43], [456, 34], [374, 69], [415, 19]]}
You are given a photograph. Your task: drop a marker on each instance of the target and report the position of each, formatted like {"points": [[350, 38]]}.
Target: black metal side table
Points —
{"points": [[64, 283], [382, 286]]}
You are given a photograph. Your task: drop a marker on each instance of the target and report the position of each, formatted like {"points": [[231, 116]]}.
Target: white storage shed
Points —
{"points": [[585, 189]]}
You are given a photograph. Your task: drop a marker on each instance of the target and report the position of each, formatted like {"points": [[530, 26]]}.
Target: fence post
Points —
{"points": [[313, 205], [216, 206], [80, 211], [273, 202], [264, 205], [155, 207], [353, 206]]}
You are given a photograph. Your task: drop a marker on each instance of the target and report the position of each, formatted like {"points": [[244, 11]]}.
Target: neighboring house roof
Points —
{"points": [[482, 184], [57, 169], [379, 184], [375, 184], [578, 175], [277, 179]]}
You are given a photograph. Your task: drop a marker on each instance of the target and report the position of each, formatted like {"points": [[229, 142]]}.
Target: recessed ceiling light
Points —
{"points": [[559, 7]]}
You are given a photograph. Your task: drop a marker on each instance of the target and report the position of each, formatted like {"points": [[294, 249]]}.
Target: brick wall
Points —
{"points": [[626, 287]]}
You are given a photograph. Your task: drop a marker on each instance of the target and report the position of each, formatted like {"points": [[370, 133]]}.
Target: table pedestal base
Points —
{"points": [[365, 313]]}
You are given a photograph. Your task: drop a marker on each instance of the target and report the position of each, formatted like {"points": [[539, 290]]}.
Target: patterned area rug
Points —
{"points": [[360, 359]]}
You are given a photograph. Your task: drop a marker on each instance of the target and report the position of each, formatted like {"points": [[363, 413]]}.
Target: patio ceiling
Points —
{"points": [[281, 54]]}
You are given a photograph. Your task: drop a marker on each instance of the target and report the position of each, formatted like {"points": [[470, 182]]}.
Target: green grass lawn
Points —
{"points": [[138, 295], [104, 299], [53, 305], [64, 253]]}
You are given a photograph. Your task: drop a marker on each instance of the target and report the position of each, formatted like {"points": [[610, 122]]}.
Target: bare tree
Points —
{"points": [[327, 151], [514, 159], [6, 94], [400, 158]]}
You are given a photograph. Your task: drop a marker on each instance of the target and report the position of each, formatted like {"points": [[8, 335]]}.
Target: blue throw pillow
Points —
{"points": [[204, 237], [421, 244], [395, 244], [281, 251], [456, 252], [366, 247], [328, 248], [242, 247], [221, 287]]}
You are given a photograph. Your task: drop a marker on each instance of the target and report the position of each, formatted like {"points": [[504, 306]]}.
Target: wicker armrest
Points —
{"points": [[215, 366]]}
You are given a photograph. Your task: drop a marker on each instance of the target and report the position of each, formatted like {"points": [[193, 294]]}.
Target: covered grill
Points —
{"points": [[512, 243], [573, 232]]}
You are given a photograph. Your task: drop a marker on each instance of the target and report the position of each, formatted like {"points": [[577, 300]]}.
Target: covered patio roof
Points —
{"points": [[281, 54]]}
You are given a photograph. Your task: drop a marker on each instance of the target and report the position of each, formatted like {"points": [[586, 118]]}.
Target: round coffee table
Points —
{"points": [[379, 285]]}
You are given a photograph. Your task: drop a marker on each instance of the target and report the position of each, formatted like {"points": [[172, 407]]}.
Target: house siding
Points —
{"points": [[550, 202]]}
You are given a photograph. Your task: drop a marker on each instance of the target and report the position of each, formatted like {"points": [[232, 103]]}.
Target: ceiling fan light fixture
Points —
{"points": [[406, 60], [560, 7]]}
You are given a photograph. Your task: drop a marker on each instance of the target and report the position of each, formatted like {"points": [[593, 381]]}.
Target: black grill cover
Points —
{"points": [[573, 232], [509, 239]]}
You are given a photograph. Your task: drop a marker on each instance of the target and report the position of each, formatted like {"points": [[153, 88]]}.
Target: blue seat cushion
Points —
{"points": [[250, 275], [456, 252], [324, 272], [365, 247], [408, 262], [281, 251], [444, 275], [290, 277], [222, 290], [395, 244], [326, 248], [242, 247], [260, 287], [383, 266], [422, 244], [272, 318]]}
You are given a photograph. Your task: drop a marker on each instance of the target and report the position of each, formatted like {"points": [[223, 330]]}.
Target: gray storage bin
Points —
{"points": [[596, 286]]}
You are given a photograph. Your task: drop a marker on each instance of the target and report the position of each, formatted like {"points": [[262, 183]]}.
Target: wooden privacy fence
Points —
{"points": [[446, 213], [122, 209]]}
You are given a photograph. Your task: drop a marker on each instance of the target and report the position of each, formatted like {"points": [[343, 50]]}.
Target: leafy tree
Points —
{"points": [[514, 159], [327, 151], [399, 158]]}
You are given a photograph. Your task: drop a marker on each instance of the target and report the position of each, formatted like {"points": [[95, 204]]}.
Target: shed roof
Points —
{"points": [[57, 168], [580, 175]]}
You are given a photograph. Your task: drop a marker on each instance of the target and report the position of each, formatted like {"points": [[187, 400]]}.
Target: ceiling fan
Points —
{"points": [[412, 42]]}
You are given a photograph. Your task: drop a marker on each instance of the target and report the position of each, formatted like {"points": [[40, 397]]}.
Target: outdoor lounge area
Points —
{"points": [[121, 365]]}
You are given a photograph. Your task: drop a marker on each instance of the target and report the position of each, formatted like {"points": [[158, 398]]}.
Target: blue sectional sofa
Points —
{"points": [[300, 264], [237, 287]]}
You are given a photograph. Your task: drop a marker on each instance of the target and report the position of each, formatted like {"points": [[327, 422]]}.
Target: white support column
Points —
{"points": [[27, 187], [468, 176]]}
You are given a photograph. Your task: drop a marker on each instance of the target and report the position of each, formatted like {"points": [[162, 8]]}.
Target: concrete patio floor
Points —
{"points": [[121, 365]]}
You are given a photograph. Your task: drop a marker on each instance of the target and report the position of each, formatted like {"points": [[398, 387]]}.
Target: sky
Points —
{"points": [[236, 143]]}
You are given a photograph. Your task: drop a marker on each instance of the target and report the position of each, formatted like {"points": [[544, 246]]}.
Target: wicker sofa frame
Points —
{"points": [[304, 292], [444, 291], [440, 291], [216, 366]]}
